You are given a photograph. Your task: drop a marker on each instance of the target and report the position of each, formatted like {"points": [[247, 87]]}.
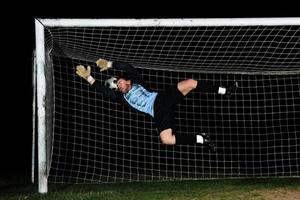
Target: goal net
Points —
{"points": [[256, 131]]}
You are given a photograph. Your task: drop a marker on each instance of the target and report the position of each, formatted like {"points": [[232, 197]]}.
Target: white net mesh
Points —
{"points": [[256, 131]]}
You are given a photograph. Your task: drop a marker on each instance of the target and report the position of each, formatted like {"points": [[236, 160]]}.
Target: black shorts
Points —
{"points": [[164, 107]]}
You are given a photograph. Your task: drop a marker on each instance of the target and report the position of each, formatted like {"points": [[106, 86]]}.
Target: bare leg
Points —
{"points": [[186, 86], [167, 137]]}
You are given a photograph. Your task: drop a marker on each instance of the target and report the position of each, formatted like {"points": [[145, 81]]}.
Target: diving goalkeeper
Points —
{"points": [[131, 90]]}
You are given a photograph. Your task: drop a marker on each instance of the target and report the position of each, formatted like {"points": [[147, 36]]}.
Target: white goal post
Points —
{"points": [[43, 60], [41, 110]]}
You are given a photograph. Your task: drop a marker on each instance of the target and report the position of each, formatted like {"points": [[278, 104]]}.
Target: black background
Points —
{"points": [[18, 42]]}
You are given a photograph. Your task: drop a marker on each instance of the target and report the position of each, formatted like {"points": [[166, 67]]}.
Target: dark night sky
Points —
{"points": [[15, 74]]}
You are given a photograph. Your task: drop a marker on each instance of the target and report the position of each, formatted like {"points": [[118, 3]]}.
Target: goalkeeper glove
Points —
{"points": [[103, 64], [85, 73]]}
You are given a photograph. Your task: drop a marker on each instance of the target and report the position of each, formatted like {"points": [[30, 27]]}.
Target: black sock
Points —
{"points": [[206, 86], [185, 139]]}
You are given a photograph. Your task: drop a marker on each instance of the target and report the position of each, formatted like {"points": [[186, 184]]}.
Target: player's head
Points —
{"points": [[123, 84]]}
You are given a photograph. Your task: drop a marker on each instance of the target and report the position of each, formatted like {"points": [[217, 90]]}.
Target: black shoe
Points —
{"points": [[207, 142], [231, 89], [206, 138]]}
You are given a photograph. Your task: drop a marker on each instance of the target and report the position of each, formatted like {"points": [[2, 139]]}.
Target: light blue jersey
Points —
{"points": [[141, 99]]}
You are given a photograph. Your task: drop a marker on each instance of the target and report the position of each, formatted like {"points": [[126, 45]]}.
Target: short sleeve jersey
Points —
{"points": [[141, 99]]}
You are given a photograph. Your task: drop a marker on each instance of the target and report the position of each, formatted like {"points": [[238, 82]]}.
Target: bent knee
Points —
{"points": [[191, 83], [167, 139], [186, 86]]}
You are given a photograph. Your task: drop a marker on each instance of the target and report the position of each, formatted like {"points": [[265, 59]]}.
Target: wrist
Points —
{"points": [[90, 79], [109, 64]]}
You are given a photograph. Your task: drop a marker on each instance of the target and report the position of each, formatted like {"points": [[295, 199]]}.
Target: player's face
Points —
{"points": [[124, 85]]}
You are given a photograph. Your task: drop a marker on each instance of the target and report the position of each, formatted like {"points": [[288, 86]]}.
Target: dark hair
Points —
{"points": [[123, 76]]}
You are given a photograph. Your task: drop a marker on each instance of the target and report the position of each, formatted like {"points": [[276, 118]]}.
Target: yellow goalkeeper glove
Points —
{"points": [[103, 64], [85, 73]]}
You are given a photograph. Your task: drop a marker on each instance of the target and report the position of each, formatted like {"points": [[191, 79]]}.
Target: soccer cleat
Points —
{"points": [[207, 142], [231, 89], [206, 137]]}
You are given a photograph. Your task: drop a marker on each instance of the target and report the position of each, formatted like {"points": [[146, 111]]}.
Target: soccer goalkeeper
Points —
{"points": [[132, 91]]}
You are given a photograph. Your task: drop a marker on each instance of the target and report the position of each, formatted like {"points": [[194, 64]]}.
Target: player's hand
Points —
{"points": [[83, 72], [103, 64]]}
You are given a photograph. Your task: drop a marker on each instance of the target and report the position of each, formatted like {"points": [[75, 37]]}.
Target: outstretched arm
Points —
{"points": [[131, 71], [86, 74]]}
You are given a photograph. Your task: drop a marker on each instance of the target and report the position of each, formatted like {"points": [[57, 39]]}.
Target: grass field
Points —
{"points": [[278, 189]]}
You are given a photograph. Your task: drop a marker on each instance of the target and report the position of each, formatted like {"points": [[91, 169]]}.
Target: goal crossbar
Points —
{"points": [[170, 22]]}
